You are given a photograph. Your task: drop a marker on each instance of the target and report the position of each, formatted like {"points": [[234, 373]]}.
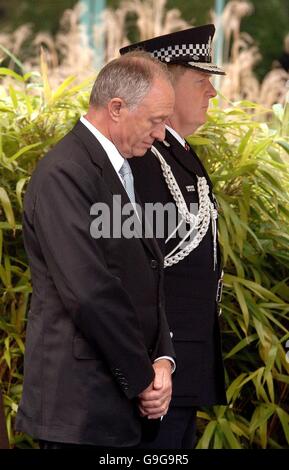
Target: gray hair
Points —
{"points": [[176, 71], [128, 77]]}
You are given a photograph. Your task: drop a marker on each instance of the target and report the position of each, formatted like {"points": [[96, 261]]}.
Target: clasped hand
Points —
{"points": [[155, 399]]}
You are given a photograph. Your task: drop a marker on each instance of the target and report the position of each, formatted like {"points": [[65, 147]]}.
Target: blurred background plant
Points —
{"points": [[248, 162], [69, 50], [245, 146], [33, 117]]}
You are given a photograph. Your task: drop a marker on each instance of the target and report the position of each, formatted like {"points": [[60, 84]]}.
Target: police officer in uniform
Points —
{"points": [[171, 172]]}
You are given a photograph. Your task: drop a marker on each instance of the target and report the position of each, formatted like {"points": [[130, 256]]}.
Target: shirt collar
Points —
{"points": [[113, 154], [176, 135]]}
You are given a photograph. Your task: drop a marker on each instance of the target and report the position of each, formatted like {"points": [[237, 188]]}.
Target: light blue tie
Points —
{"points": [[127, 178]]}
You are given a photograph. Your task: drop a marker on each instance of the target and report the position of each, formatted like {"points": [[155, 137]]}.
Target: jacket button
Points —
{"points": [[171, 334], [154, 263]]}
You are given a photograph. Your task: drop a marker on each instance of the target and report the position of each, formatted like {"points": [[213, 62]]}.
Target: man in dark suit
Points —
{"points": [[172, 173], [98, 350]]}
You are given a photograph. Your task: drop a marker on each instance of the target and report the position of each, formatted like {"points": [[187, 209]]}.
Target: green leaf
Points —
{"points": [[270, 384], [1, 245], [259, 326], [261, 415], [223, 239], [6, 204], [256, 288], [12, 56], [19, 188], [251, 376], [282, 378], [24, 150], [243, 144], [204, 442], [7, 226], [284, 145], [6, 355], [197, 140], [284, 419], [11, 73], [240, 430], [62, 89], [8, 272], [235, 387], [218, 439], [20, 344], [27, 76], [242, 302], [231, 439], [203, 415], [13, 96], [263, 434], [241, 345]]}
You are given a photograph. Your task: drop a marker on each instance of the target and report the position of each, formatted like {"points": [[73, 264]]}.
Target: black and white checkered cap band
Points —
{"points": [[194, 51]]}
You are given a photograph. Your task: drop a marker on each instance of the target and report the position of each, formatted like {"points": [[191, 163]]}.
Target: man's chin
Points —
{"points": [[141, 152]]}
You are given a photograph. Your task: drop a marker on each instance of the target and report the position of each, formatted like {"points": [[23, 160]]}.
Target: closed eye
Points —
{"points": [[158, 121]]}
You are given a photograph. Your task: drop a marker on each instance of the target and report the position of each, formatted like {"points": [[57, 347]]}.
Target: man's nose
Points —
{"points": [[212, 90], [159, 132]]}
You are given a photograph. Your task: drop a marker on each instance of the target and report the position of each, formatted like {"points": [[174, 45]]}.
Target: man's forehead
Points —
{"points": [[162, 84], [197, 73], [160, 91]]}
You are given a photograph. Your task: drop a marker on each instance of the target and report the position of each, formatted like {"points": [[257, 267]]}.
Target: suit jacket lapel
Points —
{"points": [[100, 158], [150, 241]]}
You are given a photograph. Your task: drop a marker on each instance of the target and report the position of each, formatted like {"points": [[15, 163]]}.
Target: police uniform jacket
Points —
{"points": [[190, 285]]}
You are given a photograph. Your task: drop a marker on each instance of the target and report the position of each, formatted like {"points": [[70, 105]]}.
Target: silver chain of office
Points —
{"points": [[199, 222]]}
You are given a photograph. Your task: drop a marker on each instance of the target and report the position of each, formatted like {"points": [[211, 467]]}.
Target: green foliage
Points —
{"points": [[269, 38], [33, 118], [44, 16], [248, 162], [268, 34]]}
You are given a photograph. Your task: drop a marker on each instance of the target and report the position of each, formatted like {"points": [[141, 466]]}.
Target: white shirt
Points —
{"points": [[116, 160], [176, 135]]}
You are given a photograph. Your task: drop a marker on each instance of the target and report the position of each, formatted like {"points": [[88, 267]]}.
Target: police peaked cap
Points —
{"points": [[191, 48]]}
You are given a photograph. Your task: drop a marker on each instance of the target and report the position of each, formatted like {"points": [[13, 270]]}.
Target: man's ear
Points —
{"points": [[115, 106]]}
